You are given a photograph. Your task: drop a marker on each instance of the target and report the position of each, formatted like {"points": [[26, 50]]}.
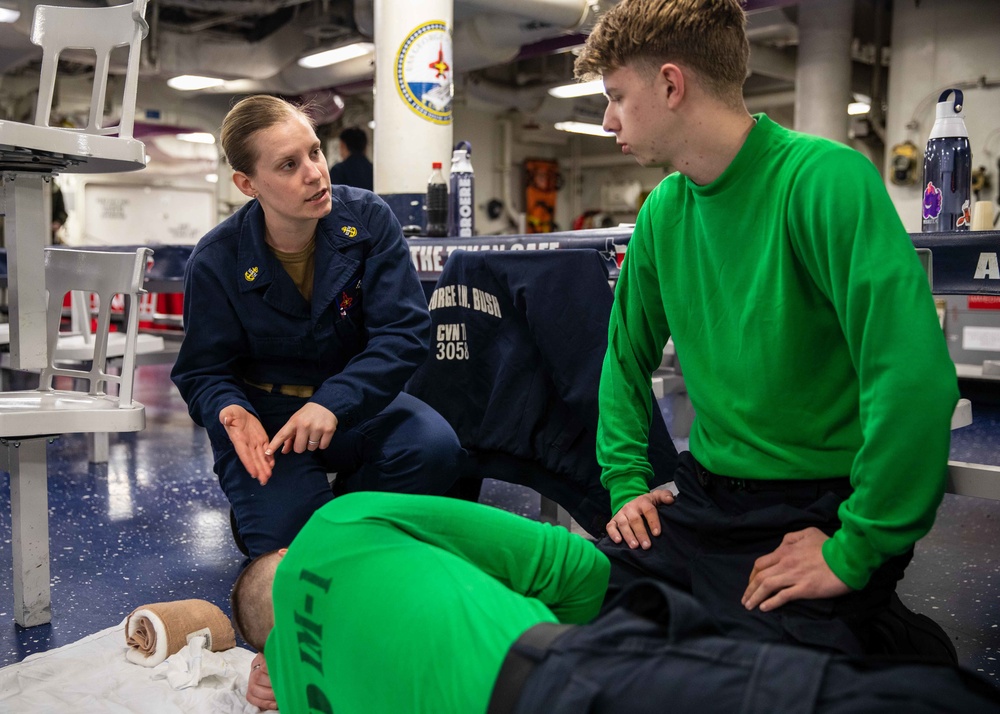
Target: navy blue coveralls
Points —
{"points": [[356, 343], [656, 650]]}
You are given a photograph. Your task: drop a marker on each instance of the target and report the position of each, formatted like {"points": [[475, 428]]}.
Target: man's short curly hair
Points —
{"points": [[252, 602], [707, 36]]}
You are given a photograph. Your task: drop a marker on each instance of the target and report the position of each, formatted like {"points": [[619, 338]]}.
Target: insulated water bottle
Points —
{"points": [[461, 211], [948, 168]]}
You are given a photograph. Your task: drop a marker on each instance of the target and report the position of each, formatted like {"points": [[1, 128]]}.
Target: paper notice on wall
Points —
{"points": [[123, 214], [985, 339]]}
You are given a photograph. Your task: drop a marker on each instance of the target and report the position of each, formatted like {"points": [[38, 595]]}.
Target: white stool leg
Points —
{"points": [[98, 448], [29, 511]]}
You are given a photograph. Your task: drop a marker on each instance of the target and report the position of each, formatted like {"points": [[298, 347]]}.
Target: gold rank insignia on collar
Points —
{"points": [[349, 231], [251, 274]]}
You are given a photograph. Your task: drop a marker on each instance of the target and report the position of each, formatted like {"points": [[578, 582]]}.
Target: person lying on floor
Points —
{"points": [[430, 604]]}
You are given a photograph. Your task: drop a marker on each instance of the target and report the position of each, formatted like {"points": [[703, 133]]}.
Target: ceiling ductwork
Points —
{"points": [[503, 49], [491, 32], [256, 43]]}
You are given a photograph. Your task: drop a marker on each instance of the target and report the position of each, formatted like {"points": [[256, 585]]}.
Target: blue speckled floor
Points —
{"points": [[152, 525], [955, 574]]}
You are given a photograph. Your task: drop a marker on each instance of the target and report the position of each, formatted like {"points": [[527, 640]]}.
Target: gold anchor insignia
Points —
{"points": [[251, 274], [349, 231]]}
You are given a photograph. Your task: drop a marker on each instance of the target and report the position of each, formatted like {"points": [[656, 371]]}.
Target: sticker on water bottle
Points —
{"points": [[932, 202], [424, 72], [965, 219]]}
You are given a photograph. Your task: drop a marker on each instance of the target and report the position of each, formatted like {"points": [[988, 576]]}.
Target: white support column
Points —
{"points": [[413, 94], [823, 74], [26, 205], [29, 516]]}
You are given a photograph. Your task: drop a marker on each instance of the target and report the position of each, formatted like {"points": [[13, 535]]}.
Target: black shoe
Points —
{"points": [[236, 534], [897, 631]]}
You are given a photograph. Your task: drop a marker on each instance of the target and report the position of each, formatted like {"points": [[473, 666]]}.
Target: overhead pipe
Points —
{"points": [[762, 102], [564, 14], [493, 38], [190, 54], [517, 218], [500, 95], [532, 102], [771, 62], [487, 40]]}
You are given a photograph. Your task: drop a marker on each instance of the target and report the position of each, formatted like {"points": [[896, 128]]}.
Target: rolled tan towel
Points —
{"points": [[154, 632]]}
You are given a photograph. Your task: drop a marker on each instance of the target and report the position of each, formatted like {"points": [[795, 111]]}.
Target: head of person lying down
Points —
{"points": [[252, 603]]}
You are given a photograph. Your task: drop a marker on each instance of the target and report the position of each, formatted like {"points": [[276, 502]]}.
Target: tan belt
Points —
{"points": [[290, 390]]}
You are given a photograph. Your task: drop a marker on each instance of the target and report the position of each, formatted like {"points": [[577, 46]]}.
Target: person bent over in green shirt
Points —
{"points": [[392, 603], [812, 352]]}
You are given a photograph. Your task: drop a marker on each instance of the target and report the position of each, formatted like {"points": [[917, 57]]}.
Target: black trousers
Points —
{"points": [[717, 528], [656, 651]]}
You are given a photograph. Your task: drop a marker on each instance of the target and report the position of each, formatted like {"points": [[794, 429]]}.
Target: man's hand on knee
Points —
{"points": [[795, 571], [629, 524]]}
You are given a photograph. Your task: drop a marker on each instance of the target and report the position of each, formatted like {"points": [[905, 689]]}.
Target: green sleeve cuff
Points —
{"points": [[624, 488], [851, 558]]}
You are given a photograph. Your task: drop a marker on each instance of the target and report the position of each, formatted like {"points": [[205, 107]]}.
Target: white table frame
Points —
{"points": [[29, 156]]}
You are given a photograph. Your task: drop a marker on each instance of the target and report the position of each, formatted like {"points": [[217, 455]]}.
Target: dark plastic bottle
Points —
{"points": [[948, 169], [437, 203]]}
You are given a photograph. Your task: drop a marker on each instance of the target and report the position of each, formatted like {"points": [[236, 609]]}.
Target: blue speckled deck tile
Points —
{"points": [[150, 525], [153, 525]]}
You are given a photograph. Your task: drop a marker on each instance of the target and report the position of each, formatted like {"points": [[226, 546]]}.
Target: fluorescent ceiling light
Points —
{"points": [[189, 82], [212, 178], [197, 137], [9, 14], [579, 127], [578, 89], [340, 54], [858, 108]]}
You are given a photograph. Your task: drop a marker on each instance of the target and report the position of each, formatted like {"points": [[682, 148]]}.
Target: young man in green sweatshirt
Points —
{"points": [[812, 352]]}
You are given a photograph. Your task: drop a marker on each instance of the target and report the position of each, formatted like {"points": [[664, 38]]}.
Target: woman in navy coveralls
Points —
{"points": [[298, 377]]}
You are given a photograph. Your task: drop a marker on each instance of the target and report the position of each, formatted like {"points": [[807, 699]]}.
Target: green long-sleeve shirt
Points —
{"points": [[807, 333], [399, 603]]}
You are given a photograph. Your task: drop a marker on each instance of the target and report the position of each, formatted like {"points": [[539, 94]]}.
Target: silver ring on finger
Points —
{"points": [[310, 441]]}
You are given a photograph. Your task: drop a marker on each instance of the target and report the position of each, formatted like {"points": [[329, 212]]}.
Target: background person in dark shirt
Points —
{"points": [[354, 168]]}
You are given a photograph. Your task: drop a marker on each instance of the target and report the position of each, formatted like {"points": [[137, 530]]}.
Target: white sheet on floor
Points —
{"points": [[93, 676]]}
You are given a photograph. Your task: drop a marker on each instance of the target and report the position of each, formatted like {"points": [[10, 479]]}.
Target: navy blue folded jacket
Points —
{"points": [[517, 343]]}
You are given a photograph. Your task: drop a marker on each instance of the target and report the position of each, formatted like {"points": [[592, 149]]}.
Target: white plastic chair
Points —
{"points": [[88, 149], [30, 153], [77, 346], [102, 29], [30, 418]]}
